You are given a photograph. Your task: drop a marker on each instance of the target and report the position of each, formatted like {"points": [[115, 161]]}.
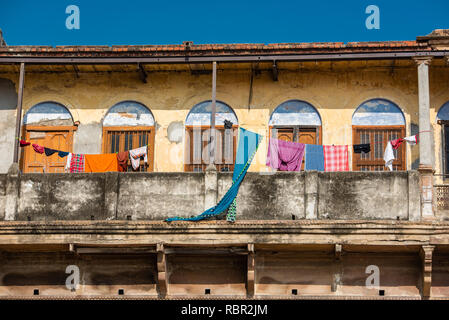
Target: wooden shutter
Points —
{"points": [[118, 139], [229, 146], [378, 137]]}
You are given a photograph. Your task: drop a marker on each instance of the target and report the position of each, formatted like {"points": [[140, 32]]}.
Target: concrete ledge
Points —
{"points": [[157, 196]]}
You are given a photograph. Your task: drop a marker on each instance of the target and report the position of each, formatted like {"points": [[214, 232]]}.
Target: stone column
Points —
{"points": [[425, 139], [211, 186]]}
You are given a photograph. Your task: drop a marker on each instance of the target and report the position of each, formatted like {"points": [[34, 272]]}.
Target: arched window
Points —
{"points": [[50, 125], [198, 123], [376, 122], [296, 121], [443, 120], [129, 125]]}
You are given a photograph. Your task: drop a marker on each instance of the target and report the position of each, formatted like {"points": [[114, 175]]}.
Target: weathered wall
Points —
{"points": [[156, 196], [100, 274], [8, 104], [171, 94]]}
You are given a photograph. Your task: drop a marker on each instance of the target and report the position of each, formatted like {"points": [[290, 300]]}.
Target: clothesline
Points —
{"points": [[24, 143], [95, 162]]}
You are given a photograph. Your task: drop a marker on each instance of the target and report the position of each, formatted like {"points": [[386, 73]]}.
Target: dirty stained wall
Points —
{"points": [[8, 104], [335, 89], [156, 196]]}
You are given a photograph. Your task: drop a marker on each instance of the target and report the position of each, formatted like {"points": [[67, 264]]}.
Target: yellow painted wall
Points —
{"points": [[334, 89]]}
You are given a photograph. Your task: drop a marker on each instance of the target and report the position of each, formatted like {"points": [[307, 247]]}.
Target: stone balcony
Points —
{"points": [[157, 196]]}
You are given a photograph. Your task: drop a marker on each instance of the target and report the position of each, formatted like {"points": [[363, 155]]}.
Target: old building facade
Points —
{"points": [[298, 235]]}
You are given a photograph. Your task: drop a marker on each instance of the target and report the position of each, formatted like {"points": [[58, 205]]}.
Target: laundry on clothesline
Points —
{"points": [[49, 152], [135, 154], [314, 157], [24, 143], [106, 162], [122, 160], [362, 148], [38, 148], [246, 150], [394, 145], [77, 163], [412, 140], [389, 156], [285, 155], [336, 158]]}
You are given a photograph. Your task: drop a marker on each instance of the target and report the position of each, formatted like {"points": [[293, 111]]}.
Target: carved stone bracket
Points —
{"points": [[426, 253], [250, 276], [422, 60], [161, 271]]}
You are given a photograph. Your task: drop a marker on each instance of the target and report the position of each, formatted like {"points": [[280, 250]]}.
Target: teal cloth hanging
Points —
{"points": [[247, 147]]}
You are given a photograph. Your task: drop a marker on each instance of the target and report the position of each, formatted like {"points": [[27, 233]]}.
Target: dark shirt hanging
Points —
{"points": [[63, 154], [49, 152], [359, 148], [227, 124]]}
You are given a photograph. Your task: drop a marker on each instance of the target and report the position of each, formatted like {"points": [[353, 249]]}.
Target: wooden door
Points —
{"points": [[297, 134], [54, 139]]}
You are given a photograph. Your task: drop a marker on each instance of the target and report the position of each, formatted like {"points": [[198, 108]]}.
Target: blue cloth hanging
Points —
{"points": [[247, 147], [314, 159]]}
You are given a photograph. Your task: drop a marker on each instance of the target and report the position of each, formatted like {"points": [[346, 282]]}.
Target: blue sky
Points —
{"points": [[31, 22]]}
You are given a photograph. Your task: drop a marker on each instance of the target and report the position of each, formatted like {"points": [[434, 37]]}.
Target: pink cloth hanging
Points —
{"points": [[285, 155], [38, 148]]}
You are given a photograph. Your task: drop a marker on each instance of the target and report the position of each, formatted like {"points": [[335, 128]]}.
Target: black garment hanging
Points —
{"points": [[227, 124], [49, 152], [359, 148]]}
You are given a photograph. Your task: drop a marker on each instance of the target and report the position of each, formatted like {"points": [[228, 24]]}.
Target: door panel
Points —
{"points": [[58, 140], [285, 134]]}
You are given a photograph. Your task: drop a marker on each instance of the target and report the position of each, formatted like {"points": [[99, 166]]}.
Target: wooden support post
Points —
{"points": [[337, 251], [214, 111], [161, 271], [337, 268], [19, 112], [426, 253], [250, 276]]}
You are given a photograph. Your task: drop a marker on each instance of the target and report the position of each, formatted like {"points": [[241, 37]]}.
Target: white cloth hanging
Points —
{"points": [[389, 156], [67, 164], [135, 154], [412, 140]]}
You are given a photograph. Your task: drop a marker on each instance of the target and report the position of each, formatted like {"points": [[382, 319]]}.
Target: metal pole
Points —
{"points": [[19, 112], [214, 110]]}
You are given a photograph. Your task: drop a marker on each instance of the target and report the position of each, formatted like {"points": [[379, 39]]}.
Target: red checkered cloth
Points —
{"points": [[336, 158], [77, 163]]}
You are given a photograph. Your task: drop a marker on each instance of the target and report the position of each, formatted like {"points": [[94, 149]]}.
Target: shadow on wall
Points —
{"points": [[8, 95]]}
